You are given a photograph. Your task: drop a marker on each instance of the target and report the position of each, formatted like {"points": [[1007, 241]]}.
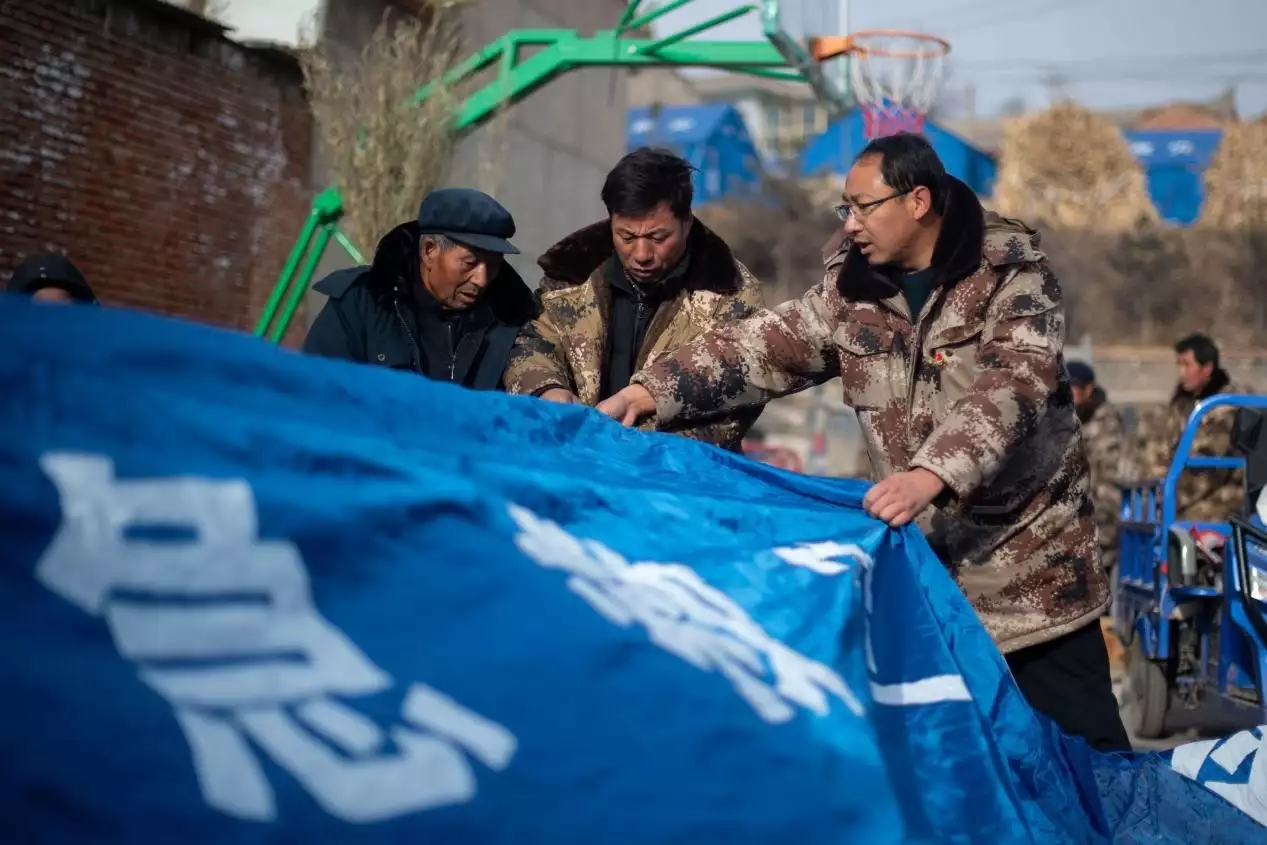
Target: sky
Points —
{"points": [[1108, 53]]}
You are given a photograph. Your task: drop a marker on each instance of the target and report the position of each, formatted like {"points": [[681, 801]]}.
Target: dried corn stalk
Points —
{"points": [[1072, 168], [1236, 180], [386, 151]]}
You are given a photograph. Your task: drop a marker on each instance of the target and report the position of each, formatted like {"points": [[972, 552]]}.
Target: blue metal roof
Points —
{"points": [[675, 124], [1173, 162], [1190, 147], [713, 138], [834, 150]]}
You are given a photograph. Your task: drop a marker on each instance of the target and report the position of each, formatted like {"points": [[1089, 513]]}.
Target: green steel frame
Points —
{"points": [[779, 57]]}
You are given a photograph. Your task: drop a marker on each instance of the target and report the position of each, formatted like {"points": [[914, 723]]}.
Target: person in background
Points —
{"points": [[1202, 495], [51, 277], [439, 299], [1105, 436], [630, 290], [946, 326]]}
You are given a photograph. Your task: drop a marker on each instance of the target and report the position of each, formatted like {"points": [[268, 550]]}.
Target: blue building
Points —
{"points": [[1174, 163], [712, 137], [834, 150]]}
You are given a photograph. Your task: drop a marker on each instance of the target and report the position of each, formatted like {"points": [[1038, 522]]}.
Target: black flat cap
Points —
{"points": [[1080, 374], [468, 217], [51, 270]]}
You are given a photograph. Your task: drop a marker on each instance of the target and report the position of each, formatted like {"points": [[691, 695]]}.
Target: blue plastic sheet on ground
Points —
{"points": [[251, 597]]}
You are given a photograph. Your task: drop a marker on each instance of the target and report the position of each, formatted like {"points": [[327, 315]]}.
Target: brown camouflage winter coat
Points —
{"points": [[973, 390], [1202, 495], [567, 345], [1110, 460]]}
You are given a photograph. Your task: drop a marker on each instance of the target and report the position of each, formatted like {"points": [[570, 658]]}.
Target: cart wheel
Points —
{"points": [[1148, 697]]}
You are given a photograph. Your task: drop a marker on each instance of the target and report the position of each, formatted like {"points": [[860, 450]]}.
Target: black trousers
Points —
{"points": [[1067, 680]]}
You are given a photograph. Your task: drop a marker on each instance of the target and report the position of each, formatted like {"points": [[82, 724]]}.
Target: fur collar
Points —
{"points": [[573, 260], [1218, 383], [1087, 411]]}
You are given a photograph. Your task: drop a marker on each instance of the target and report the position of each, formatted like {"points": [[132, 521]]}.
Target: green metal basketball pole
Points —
{"points": [[778, 57]]}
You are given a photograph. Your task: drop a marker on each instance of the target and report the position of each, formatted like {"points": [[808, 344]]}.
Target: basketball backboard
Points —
{"points": [[789, 24]]}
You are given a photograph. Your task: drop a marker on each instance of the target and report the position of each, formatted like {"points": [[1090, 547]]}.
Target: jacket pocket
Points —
{"points": [[867, 365], [953, 350], [393, 355]]}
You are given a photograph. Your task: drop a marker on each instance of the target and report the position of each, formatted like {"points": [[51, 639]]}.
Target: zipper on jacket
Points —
{"points": [[453, 352], [917, 352], [404, 324]]}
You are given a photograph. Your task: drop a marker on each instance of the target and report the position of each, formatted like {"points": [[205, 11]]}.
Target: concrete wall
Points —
{"points": [[547, 160], [170, 163]]}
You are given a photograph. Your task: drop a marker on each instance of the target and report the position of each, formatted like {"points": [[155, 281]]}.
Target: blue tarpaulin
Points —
{"points": [[253, 597]]}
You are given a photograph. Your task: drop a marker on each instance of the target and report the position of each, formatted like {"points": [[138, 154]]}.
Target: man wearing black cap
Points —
{"points": [[1105, 438], [51, 277], [438, 300]]}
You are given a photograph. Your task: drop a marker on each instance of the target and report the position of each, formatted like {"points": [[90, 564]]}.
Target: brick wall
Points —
{"points": [[170, 163]]}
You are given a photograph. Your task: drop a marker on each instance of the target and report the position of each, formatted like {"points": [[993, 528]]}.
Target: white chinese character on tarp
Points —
{"points": [[1217, 765], [689, 618], [223, 626], [830, 558]]}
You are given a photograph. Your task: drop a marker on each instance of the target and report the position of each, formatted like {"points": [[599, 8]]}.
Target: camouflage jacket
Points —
{"points": [[973, 390], [567, 345], [1202, 495], [1107, 452]]}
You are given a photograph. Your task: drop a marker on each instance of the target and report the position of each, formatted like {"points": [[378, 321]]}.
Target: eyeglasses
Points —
{"points": [[861, 209]]}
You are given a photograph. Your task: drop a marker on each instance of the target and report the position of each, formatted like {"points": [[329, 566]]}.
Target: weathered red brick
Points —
{"points": [[170, 163]]}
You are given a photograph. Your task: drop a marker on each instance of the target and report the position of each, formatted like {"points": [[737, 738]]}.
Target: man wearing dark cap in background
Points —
{"points": [[51, 277], [1105, 438], [438, 300]]}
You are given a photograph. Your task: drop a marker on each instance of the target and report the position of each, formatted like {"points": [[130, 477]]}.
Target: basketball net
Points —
{"points": [[886, 118], [895, 76]]}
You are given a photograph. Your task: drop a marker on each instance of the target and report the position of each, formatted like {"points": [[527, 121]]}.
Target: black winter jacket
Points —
{"points": [[372, 316]]}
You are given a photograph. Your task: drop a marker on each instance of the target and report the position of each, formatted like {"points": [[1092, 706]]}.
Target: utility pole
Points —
{"points": [[1057, 85], [842, 28]]}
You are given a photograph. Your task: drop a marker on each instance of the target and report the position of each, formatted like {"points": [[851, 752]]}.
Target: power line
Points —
{"points": [[1167, 60], [1172, 74], [1000, 17], [955, 11]]}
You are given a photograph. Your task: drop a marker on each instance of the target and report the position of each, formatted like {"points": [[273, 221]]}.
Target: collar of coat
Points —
{"points": [[394, 275], [1218, 383], [573, 260], [971, 238], [1088, 410]]}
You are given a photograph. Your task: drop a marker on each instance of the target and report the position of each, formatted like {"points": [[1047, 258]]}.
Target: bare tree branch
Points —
{"points": [[386, 152]]}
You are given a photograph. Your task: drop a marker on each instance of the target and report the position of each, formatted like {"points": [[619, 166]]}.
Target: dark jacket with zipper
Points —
{"points": [[381, 314]]}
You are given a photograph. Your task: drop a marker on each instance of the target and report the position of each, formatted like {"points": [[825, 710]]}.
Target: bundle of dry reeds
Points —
{"points": [[1072, 168], [385, 154], [1236, 180]]}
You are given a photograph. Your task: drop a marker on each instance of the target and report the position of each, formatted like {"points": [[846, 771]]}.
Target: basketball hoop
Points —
{"points": [[895, 75]]}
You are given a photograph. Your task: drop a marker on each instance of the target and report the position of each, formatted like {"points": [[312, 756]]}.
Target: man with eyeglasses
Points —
{"points": [[946, 327]]}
